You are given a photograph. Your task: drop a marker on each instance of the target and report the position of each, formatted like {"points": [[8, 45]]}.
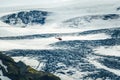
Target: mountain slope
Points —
{"points": [[99, 20], [90, 45], [10, 70], [25, 18]]}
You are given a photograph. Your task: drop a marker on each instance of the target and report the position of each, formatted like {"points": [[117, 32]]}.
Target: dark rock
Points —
{"points": [[19, 71]]}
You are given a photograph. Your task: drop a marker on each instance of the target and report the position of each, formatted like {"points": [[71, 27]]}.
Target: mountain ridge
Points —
{"points": [[25, 18], [19, 71]]}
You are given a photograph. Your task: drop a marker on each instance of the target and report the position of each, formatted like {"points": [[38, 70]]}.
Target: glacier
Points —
{"points": [[90, 32]]}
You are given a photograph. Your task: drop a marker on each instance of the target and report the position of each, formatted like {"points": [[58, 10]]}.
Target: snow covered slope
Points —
{"points": [[11, 70], [25, 18], [90, 33], [2, 77], [99, 20]]}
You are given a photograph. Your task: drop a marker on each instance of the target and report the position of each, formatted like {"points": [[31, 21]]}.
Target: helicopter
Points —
{"points": [[58, 37]]}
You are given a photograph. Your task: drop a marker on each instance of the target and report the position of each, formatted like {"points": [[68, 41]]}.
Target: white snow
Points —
{"points": [[95, 24], [62, 10], [3, 24], [31, 61], [2, 77], [27, 44], [66, 76], [5, 67], [8, 46], [100, 66], [44, 43], [108, 50], [12, 31], [77, 74], [87, 37], [41, 3]]}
